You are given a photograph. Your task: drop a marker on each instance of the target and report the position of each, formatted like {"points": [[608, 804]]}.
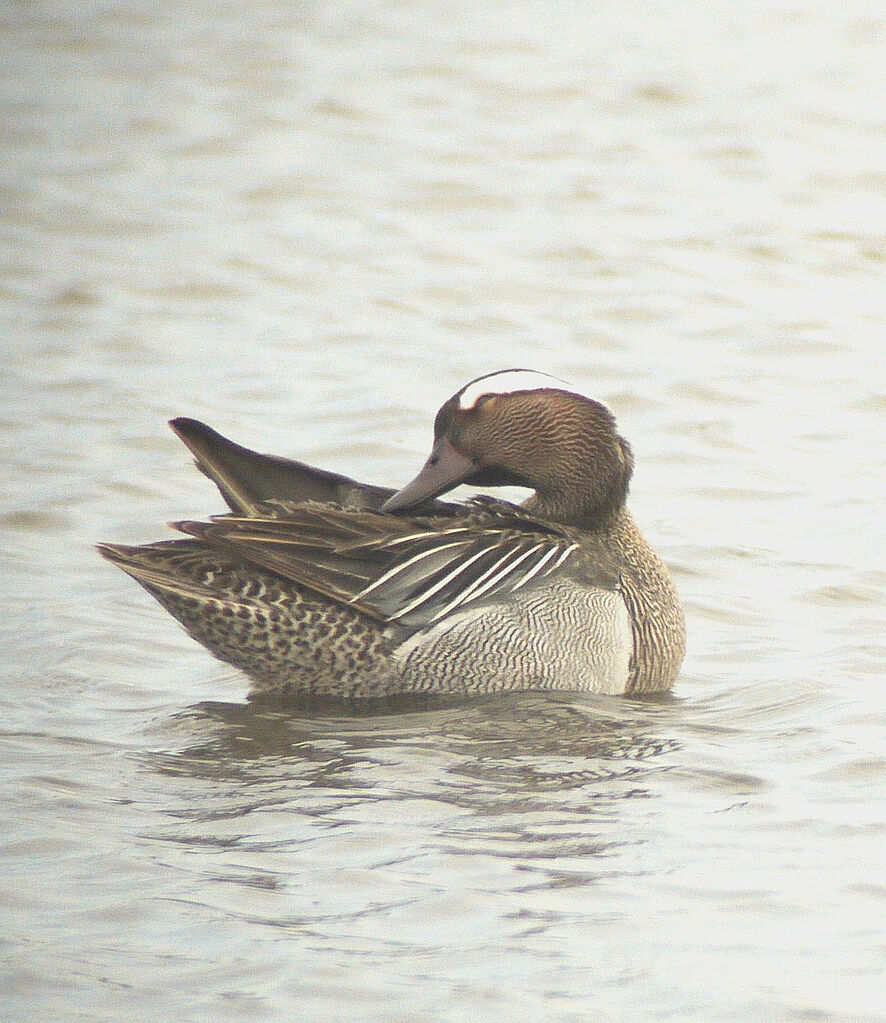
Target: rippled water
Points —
{"points": [[309, 224]]}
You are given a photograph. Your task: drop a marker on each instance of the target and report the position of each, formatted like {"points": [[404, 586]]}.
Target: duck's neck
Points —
{"points": [[654, 605], [565, 510]]}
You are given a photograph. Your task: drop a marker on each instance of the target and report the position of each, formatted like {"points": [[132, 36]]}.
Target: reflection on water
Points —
{"points": [[265, 799], [541, 760], [478, 729]]}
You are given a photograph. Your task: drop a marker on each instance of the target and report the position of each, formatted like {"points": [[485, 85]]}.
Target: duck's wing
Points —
{"points": [[408, 571], [247, 478]]}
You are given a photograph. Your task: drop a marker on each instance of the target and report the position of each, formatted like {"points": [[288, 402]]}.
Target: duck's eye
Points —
{"points": [[484, 399]]}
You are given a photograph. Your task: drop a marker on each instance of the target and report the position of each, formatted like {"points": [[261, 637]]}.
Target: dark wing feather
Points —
{"points": [[248, 478], [413, 572], [326, 550], [485, 564]]}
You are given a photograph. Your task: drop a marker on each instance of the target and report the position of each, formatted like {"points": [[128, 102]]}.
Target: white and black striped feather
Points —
{"points": [[413, 572]]}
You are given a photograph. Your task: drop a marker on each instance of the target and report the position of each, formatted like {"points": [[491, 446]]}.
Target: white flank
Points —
{"points": [[508, 381]]}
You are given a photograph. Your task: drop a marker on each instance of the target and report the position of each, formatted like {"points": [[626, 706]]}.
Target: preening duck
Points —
{"points": [[315, 584]]}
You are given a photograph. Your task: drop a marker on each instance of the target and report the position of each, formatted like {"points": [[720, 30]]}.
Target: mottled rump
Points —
{"points": [[285, 639]]}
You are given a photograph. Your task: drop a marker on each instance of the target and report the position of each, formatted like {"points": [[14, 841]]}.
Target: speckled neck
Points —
{"points": [[653, 602]]}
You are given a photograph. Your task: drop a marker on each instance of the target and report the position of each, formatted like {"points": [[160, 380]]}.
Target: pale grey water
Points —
{"points": [[308, 224]]}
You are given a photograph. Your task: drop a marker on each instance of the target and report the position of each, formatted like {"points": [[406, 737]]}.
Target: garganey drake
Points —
{"points": [[317, 585]]}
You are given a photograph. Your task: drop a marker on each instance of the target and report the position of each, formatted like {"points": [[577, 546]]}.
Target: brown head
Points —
{"points": [[518, 427]]}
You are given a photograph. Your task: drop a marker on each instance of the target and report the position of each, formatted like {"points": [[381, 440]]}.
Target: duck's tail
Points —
{"points": [[246, 478]]}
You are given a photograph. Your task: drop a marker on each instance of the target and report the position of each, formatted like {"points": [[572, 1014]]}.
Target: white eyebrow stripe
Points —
{"points": [[481, 585], [397, 569], [422, 598], [507, 382]]}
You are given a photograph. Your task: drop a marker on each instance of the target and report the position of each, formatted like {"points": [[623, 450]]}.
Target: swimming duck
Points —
{"points": [[315, 584]]}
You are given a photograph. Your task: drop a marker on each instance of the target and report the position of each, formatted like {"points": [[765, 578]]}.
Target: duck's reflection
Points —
{"points": [[520, 746], [555, 785]]}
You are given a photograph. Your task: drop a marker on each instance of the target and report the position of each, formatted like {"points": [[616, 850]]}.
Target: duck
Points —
{"points": [[316, 585]]}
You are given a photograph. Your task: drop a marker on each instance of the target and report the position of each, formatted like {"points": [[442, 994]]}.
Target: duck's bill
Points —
{"points": [[445, 469]]}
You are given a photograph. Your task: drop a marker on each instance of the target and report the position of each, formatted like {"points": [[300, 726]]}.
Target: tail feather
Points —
{"points": [[246, 478], [162, 567]]}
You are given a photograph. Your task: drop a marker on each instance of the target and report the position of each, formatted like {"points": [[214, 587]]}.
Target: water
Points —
{"points": [[309, 224]]}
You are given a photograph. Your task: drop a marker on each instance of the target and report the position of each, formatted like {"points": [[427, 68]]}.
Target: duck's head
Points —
{"points": [[521, 428]]}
